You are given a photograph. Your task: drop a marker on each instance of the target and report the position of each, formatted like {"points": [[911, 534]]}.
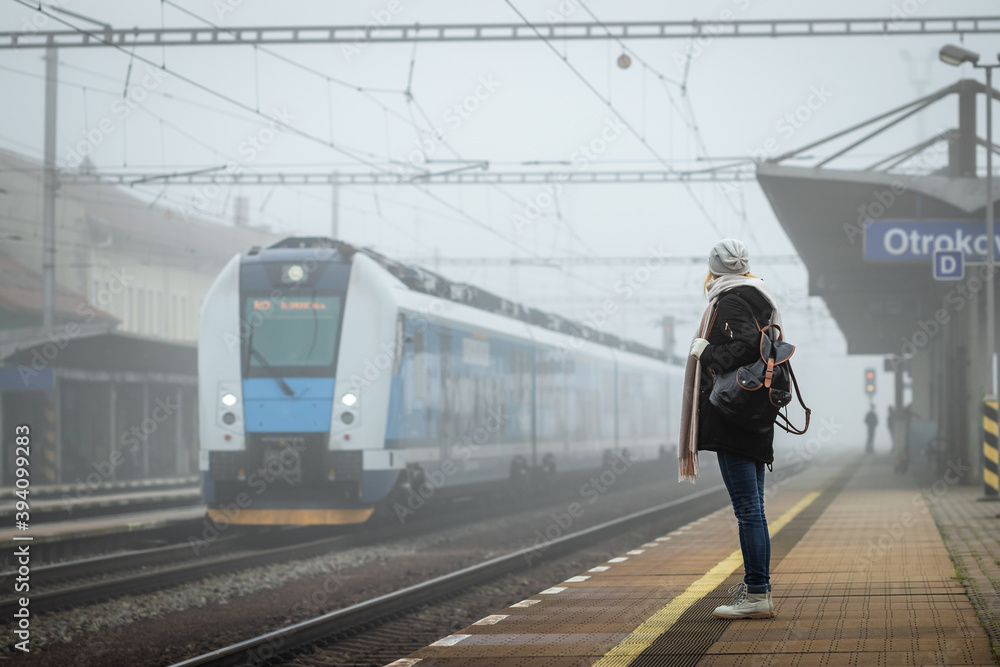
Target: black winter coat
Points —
{"points": [[734, 341]]}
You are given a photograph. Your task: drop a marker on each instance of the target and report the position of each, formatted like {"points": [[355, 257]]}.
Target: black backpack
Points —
{"points": [[752, 396]]}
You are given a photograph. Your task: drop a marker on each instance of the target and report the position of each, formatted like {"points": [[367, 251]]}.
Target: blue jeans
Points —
{"points": [[744, 480]]}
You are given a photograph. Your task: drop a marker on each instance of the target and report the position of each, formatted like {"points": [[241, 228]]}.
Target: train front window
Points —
{"points": [[299, 331]]}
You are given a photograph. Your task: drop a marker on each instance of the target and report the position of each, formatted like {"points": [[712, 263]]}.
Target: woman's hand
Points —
{"points": [[697, 347]]}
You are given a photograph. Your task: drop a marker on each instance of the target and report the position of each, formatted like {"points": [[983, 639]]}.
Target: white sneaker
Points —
{"points": [[746, 605]]}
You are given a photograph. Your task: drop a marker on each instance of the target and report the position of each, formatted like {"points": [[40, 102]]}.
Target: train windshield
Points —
{"points": [[298, 331]]}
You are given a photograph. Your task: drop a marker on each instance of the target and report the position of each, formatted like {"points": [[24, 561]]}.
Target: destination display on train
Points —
{"points": [[306, 304], [917, 240]]}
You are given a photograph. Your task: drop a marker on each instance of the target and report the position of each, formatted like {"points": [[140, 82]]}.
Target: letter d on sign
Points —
{"points": [[949, 265]]}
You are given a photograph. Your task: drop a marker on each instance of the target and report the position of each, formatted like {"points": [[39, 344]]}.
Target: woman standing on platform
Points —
{"points": [[727, 338]]}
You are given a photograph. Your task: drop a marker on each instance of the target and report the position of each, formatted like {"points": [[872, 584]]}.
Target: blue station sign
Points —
{"points": [[918, 240], [25, 378]]}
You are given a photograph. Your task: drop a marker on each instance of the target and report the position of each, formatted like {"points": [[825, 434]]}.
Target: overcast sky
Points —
{"points": [[527, 106]]}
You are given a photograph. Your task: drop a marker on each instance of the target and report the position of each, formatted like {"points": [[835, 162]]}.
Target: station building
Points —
{"points": [[110, 390]]}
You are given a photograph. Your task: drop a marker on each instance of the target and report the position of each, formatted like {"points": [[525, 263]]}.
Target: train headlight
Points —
{"points": [[347, 417], [293, 273], [228, 418], [228, 399], [350, 400]]}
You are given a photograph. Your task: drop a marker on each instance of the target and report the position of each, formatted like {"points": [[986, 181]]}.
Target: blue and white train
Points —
{"points": [[333, 380]]}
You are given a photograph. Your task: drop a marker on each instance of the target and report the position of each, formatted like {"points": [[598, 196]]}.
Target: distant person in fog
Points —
{"points": [[890, 422], [727, 338], [871, 421]]}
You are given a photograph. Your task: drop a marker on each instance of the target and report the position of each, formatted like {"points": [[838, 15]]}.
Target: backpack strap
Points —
{"points": [[787, 425]]}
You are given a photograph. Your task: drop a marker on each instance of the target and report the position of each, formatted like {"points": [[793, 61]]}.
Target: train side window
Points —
{"points": [[515, 371], [419, 381], [397, 359]]}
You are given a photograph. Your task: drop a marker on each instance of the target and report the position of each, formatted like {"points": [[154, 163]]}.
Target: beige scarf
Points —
{"points": [[687, 449]]}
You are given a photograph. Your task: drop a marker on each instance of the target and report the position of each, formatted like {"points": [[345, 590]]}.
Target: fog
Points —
{"points": [[517, 106]]}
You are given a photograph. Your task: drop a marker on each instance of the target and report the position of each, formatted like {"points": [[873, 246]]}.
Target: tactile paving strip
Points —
{"points": [[850, 587], [870, 583]]}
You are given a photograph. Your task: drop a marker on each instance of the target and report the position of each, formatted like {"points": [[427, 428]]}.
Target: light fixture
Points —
{"points": [[956, 55], [228, 399], [293, 273], [624, 60]]}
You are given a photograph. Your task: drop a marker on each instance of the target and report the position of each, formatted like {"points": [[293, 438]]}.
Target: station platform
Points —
{"points": [[860, 571], [85, 488], [75, 505], [105, 526]]}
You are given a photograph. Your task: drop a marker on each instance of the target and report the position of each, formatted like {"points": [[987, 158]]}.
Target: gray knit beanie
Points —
{"points": [[729, 256]]}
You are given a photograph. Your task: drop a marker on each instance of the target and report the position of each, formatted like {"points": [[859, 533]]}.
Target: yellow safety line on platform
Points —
{"points": [[642, 637]]}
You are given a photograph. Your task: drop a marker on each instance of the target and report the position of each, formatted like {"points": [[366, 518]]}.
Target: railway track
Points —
{"points": [[343, 623], [86, 581]]}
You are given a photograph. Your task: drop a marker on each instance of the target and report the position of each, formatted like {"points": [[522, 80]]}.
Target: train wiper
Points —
{"points": [[265, 365]]}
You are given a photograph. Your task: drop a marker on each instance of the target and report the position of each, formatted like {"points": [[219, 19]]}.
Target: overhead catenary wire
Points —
{"points": [[331, 142], [624, 121], [364, 91], [167, 96], [691, 121], [560, 223], [196, 84], [291, 128], [302, 133]]}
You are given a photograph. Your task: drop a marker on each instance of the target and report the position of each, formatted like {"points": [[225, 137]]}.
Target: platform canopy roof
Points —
{"points": [[826, 203]]}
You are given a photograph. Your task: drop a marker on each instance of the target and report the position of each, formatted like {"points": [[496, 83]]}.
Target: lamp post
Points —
{"points": [[956, 55]]}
